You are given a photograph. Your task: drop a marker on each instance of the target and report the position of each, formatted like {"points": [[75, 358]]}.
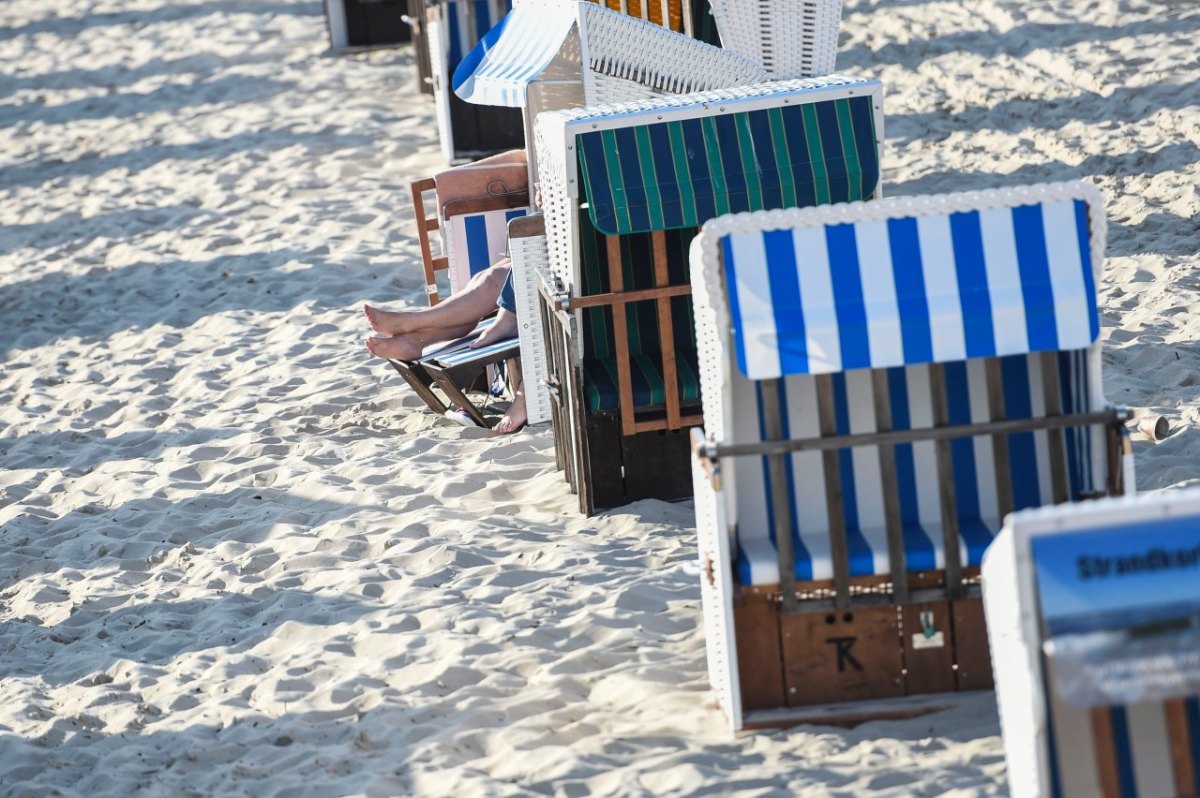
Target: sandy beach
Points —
{"points": [[238, 557]]}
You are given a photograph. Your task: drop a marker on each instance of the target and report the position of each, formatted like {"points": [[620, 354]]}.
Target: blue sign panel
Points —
{"points": [[1139, 574], [1121, 608]]}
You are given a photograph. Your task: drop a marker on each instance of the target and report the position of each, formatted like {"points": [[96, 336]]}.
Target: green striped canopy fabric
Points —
{"points": [[677, 174]]}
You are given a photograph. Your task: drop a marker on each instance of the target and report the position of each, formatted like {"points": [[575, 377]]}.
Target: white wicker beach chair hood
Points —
{"points": [[790, 38], [550, 41]]}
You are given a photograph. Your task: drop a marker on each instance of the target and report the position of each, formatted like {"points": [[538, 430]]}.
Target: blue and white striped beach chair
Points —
{"points": [[453, 28], [883, 383]]}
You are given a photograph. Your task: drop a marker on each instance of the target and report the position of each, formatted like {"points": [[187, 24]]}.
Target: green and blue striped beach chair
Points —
{"points": [[625, 188], [559, 54]]}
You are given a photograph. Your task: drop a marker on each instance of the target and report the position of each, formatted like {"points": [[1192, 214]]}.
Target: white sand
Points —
{"points": [[238, 558]]}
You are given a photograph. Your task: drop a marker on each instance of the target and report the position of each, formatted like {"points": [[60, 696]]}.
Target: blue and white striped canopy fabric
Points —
{"points": [[909, 288], [468, 21], [512, 54]]}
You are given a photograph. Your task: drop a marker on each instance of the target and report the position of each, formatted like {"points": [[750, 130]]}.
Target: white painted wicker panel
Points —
{"points": [[610, 89], [439, 48], [636, 50], [717, 597], [557, 204], [790, 38], [530, 259]]}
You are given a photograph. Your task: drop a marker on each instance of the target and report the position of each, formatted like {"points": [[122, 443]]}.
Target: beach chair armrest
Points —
{"points": [[494, 202], [529, 226]]}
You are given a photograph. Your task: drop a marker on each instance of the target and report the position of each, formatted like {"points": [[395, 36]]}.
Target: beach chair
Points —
{"points": [[456, 26], [883, 383], [1091, 613], [466, 132], [624, 189], [473, 207], [416, 19], [790, 38], [553, 55], [366, 24]]}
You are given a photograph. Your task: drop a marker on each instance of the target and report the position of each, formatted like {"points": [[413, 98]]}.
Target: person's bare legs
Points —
{"points": [[476, 300], [516, 416], [408, 346]]}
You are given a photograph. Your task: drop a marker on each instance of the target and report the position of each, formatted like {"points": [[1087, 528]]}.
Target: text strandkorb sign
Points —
{"points": [[1136, 574]]}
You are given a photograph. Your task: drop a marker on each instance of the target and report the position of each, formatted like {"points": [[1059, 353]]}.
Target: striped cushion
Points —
{"points": [[937, 287], [600, 380], [682, 173], [475, 241], [859, 469]]}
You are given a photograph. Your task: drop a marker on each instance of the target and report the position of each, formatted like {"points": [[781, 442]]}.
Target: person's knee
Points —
{"points": [[496, 275]]}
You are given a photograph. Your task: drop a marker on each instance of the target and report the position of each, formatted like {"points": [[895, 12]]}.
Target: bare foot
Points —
{"points": [[397, 347], [514, 419], [517, 416], [391, 322], [502, 327]]}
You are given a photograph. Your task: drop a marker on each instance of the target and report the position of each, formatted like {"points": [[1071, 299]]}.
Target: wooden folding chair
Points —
{"points": [[473, 231]]}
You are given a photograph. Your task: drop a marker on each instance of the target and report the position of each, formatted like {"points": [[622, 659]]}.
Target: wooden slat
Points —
{"points": [[457, 397], [928, 669], [625, 297], [666, 330], [781, 505], [827, 414], [693, 420], [945, 477], [424, 225], [760, 659], [557, 398], [1052, 394], [419, 380], [1106, 753], [1000, 458], [616, 280], [494, 202], [528, 226], [897, 558], [1111, 416], [1182, 767], [575, 412], [1115, 448]]}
